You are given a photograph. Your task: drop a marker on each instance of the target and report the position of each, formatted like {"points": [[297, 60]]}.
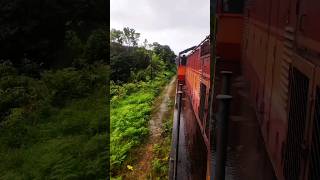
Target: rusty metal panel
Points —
{"points": [[275, 127], [197, 74], [286, 120], [229, 36], [205, 48], [268, 85], [206, 66], [285, 62], [193, 77]]}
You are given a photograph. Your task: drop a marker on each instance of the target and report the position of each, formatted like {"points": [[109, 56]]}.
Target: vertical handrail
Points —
{"points": [[175, 172], [222, 125], [213, 7], [222, 135], [226, 79]]}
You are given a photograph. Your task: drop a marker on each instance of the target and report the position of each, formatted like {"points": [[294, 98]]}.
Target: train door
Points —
{"points": [[203, 90], [300, 90]]}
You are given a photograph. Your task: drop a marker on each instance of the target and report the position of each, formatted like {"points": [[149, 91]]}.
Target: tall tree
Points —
{"points": [[116, 36], [145, 44], [164, 52], [37, 29], [131, 38]]}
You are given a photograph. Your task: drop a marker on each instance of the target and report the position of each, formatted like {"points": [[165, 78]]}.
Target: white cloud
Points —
{"points": [[177, 23]]}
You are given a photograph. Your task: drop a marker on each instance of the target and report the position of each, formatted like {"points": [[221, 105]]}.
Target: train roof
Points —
{"points": [[199, 45]]}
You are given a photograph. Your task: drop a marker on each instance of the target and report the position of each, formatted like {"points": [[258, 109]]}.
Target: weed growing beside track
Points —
{"points": [[131, 106]]}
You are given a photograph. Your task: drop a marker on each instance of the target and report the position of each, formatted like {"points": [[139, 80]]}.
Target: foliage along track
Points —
{"points": [[152, 157]]}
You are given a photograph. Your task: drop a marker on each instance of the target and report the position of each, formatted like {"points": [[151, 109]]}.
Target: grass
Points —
{"points": [[161, 152], [70, 144], [131, 106]]}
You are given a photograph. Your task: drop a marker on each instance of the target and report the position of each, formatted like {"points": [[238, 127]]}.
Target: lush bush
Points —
{"points": [[74, 45], [96, 46], [72, 83], [131, 105], [131, 63], [18, 91], [42, 141]]}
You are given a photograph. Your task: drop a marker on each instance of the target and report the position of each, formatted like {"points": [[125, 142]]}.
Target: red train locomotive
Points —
{"points": [[275, 46]]}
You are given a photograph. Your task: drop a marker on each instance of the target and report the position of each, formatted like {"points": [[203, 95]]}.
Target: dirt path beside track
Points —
{"points": [[161, 111]]}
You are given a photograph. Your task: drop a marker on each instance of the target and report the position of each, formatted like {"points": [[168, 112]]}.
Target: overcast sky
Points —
{"points": [[177, 23]]}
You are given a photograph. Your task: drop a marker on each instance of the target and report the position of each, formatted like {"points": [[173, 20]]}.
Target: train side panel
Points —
{"points": [[280, 58], [198, 84]]}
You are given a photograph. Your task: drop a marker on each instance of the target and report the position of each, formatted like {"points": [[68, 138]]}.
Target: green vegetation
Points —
{"points": [[161, 150], [130, 115], [138, 75], [130, 63], [54, 71], [52, 127], [38, 30]]}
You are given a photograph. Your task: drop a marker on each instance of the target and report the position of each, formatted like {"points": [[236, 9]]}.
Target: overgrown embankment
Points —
{"points": [[54, 127], [130, 112], [138, 75], [162, 145]]}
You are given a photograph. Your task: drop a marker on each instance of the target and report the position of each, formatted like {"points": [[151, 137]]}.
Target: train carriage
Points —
{"points": [[275, 46]]}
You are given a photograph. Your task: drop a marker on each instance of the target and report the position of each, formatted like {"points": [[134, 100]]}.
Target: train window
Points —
{"points": [[205, 48], [202, 101], [232, 6], [183, 60]]}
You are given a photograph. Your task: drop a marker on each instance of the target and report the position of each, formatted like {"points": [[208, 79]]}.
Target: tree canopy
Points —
{"points": [[53, 73], [127, 58], [37, 29]]}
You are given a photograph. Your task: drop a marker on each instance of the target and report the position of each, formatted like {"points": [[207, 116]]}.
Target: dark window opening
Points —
{"points": [[203, 90], [183, 60], [232, 6], [299, 87], [205, 48]]}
